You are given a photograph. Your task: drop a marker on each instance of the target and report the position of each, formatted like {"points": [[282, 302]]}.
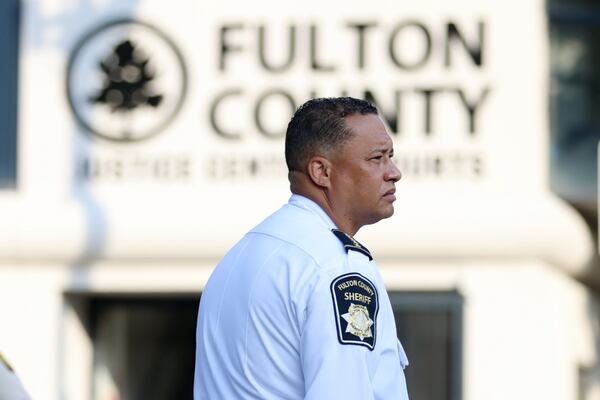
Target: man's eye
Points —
{"points": [[377, 158]]}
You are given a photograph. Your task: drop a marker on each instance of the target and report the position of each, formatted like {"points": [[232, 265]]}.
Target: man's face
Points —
{"points": [[363, 174]]}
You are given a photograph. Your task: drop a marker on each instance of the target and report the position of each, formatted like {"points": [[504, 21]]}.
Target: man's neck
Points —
{"points": [[320, 196]]}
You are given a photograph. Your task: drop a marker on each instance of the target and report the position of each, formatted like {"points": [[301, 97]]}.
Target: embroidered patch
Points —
{"points": [[355, 305]]}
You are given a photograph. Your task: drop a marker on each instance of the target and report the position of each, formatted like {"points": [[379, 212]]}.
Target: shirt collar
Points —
{"points": [[348, 241], [309, 205]]}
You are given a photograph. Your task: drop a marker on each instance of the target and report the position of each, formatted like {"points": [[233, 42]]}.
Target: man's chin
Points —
{"points": [[384, 214], [388, 212]]}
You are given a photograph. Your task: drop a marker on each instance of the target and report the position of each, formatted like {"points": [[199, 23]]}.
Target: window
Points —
{"points": [[574, 100], [144, 348], [9, 39], [430, 328]]}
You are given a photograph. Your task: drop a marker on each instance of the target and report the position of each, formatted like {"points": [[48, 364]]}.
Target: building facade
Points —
{"points": [[150, 138]]}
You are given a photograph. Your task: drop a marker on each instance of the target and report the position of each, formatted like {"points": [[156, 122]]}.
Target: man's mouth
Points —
{"points": [[390, 194]]}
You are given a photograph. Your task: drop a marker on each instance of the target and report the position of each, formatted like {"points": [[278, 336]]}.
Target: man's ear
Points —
{"points": [[319, 171]]}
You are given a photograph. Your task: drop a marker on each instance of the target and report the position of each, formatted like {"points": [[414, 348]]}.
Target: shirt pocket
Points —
{"points": [[402, 355]]}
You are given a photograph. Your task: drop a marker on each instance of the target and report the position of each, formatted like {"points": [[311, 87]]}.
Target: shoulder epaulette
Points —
{"points": [[351, 244]]}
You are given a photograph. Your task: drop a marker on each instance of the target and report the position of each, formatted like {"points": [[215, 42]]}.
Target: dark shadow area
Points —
{"points": [[143, 344], [10, 17], [430, 328], [574, 30], [146, 344]]}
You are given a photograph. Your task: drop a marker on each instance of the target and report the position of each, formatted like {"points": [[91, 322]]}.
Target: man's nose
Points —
{"points": [[393, 173]]}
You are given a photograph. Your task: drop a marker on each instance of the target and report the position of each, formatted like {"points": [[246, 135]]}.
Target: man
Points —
{"points": [[297, 309]]}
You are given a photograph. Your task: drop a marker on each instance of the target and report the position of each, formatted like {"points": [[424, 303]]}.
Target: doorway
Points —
{"points": [[143, 347]]}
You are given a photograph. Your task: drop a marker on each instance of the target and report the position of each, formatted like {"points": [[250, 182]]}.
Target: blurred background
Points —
{"points": [[140, 139]]}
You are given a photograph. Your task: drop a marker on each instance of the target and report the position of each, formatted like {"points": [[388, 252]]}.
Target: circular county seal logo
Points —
{"points": [[126, 81]]}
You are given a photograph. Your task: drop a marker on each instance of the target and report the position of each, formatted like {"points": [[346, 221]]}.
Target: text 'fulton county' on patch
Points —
{"points": [[355, 303]]}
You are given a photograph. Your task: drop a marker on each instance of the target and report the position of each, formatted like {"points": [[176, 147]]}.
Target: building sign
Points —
{"points": [[405, 46], [150, 130], [202, 95]]}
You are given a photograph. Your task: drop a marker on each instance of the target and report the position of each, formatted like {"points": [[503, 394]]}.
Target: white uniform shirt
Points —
{"points": [[292, 313]]}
